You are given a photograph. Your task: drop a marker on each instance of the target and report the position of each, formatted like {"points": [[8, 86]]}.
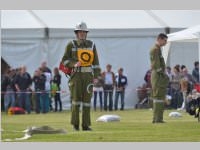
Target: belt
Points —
{"points": [[83, 69]]}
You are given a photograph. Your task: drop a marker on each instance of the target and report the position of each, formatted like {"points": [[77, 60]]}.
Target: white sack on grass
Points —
{"points": [[175, 114], [108, 118]]}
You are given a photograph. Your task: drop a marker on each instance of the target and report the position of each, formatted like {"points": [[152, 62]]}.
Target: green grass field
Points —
{"points": [[135, 126]]}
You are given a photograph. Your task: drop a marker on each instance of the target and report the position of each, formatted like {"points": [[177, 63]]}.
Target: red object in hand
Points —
{"points": [[64, 69], [197, 87]]}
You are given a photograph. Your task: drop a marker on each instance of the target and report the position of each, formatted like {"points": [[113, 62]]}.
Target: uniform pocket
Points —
{"points": [[163, 80], [70, 84]]}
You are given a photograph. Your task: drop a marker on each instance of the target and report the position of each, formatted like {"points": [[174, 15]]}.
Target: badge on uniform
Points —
{"points": [[85, 56]]}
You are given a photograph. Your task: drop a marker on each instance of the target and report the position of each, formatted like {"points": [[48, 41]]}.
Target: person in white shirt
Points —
{"points": [[47, 90], [47, 70], [109, 82]]}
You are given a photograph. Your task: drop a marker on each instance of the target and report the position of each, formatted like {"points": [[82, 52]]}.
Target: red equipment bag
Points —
{"points": [[15, 110], [65, 70], [197, 87]]}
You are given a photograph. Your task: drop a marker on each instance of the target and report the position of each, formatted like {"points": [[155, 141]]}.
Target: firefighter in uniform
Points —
{"points": [[159, 80], [81, 56]]}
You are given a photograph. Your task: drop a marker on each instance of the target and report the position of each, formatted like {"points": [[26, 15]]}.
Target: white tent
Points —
{"points": [[123, 38], [184, 38]]}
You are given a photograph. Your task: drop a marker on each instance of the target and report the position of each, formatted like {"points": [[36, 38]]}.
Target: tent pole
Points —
{"points": [[38, 19]]}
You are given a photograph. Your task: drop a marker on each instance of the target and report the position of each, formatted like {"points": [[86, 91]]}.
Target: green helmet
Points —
{"points": [[81, 27]]}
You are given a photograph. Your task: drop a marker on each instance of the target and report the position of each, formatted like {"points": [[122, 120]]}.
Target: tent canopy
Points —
{"points": [[188, 43], [191, 34], [61, 23], [102, 19]]}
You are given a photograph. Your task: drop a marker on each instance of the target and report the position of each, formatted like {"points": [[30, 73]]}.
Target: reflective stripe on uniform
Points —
{"points": [[66, 62], [158, 70], [92, 45], [86, 104], [73, 44], [158, 101], [76, 103], [74, 48], [86, 69], [83, 69], [95, 66]]}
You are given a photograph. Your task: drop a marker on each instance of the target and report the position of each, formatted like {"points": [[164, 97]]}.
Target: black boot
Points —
{"points": [[87, 129], [76, 128]]}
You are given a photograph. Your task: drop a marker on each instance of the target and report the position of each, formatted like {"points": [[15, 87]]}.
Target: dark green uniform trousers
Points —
{"points": [[159, 83], [81, 95], [158, 110]]}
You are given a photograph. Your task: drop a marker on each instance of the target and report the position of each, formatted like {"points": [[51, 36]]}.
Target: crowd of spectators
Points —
{"points": [[107, 84], [180, 86], [35, 93], [32, 93]]}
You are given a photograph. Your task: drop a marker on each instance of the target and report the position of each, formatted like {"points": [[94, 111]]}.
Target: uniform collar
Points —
{"points": [[158, 46], [81, 42]]}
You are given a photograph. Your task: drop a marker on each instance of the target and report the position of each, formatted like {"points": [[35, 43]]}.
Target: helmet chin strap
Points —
{"points": [[81, 39]]}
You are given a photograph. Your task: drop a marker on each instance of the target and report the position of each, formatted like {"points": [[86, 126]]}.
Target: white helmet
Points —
{"points": [[81, 27]]}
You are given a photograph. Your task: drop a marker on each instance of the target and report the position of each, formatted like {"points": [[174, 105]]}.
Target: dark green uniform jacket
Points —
{"points": [[70, 57], [159, 79]]}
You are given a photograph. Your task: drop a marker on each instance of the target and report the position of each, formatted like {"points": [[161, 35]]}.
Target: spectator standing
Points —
{"points": [[182, 67], [98, 89], [147, 78], [3, 88], [47, 71], [57, 81], [39, 80], [109, 82], [187, 83], [195, 72], [191, 80], [22, 84], [178, 67], [47, 93], [169, 73], [175, 88], [44, 67], [9, 96], [121, 83]]}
